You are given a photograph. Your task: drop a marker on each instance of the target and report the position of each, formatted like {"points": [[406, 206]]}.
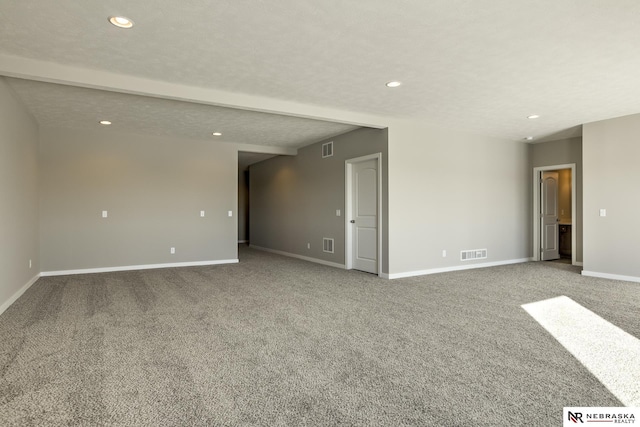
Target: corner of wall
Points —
{"points": [[19, 193]]}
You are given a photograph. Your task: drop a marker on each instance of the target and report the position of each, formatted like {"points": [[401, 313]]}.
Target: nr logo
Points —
{"points": [[575, 417]]}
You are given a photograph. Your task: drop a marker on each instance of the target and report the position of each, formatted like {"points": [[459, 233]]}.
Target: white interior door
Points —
{"points": [[549, 238], [364, 215]]}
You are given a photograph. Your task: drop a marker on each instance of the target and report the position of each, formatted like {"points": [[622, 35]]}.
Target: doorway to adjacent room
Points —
{"points": [[554, 212]]}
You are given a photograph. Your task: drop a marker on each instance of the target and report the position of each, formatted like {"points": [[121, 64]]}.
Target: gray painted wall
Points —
{"points": [[561, 152], [454, 191], [611, 181], [18, 195], [293, 199], [153, 189], [243, 205]]}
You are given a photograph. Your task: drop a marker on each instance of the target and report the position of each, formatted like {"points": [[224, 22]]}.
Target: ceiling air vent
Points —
{"points": [[472, 254], [327, 149], [327, 245]]}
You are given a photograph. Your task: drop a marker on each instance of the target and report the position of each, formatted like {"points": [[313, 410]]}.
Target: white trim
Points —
{"points": [[611, 276], [18, 293], [454, 268], [137, 267], [243, 241], [302, 257], [347, 196], [536, 209]]}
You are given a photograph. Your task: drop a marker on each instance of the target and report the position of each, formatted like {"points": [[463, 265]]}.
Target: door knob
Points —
{"points": [[353, 221]]}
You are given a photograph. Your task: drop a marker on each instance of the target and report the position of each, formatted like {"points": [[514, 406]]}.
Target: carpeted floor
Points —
{"points": [[277, 341]]}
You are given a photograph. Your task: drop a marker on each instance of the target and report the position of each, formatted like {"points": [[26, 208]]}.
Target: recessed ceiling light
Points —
{"points": [[217, 134], [121, 21], [393, 84], [533, 116], [529, 138], [105, 122]]}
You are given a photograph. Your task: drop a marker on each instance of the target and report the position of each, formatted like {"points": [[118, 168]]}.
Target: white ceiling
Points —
{"points": [[479, 66], [67, 106]]}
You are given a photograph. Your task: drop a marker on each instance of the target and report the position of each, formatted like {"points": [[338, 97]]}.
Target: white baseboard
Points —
{"points": [[136, 267], [305, 258], [453, 268], [243, 241], [611, 276], [18, 294]]}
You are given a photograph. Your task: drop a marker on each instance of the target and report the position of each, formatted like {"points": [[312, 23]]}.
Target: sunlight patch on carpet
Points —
{"points": [[608, 352]]}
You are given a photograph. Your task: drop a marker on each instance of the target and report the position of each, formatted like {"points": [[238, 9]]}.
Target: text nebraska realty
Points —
{"points": [[615, 418]]}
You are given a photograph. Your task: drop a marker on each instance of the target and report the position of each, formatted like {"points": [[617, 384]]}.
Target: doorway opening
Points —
{"points": [[245, 160], [363, 219], [554, 213]]}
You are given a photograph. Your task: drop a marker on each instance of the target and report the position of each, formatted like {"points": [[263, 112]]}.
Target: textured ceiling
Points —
{"points": [[476, 65], [80, 108]]}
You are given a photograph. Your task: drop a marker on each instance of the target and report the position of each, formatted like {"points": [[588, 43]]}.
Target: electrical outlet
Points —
{"points": [[308, 245], [444, 253], [29, 263], [104, 214], [173, 251], [338, 212], [230, 213], [201, 214]]}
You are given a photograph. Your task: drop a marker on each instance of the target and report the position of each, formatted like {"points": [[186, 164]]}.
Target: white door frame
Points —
{"points": [[536, 208], [348, 250]]}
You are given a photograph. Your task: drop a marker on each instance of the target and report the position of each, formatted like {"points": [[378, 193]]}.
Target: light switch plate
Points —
{"points": [[202, 214], [230, 213], [104, 214], [338, 212], [603, 212]]}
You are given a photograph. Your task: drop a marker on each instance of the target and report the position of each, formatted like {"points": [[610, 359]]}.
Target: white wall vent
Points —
{"points": [[327, 149], [327, 245], [472, 254]]}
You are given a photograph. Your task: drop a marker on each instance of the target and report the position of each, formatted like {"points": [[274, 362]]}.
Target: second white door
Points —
{"points": [[549, 217], [364, 215]]}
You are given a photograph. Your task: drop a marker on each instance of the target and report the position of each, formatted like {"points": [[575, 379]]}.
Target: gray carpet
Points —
{"points": [[277, 341]]}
